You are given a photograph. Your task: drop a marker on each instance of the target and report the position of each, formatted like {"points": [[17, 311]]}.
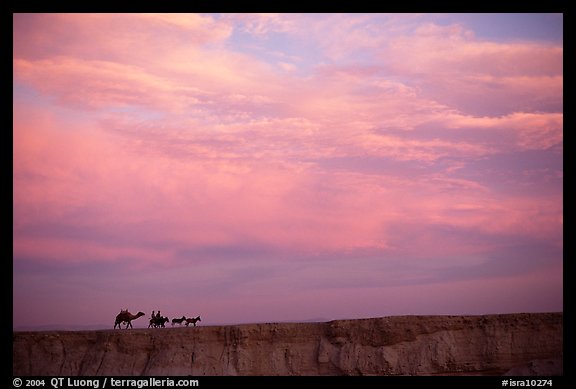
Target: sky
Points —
{"points": [[285, 167]]}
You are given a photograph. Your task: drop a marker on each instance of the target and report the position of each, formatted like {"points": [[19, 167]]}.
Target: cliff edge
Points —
{"points": [[514, 344]]}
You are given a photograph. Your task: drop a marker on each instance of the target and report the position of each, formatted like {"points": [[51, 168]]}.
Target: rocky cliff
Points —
{"points": [[516, 344]]}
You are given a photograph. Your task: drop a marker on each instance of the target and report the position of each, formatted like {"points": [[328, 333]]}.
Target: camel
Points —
{"points": [[179, 321], [192, 320], [126, 317]]}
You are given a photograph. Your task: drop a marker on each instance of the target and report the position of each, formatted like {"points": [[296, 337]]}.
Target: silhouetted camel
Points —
{"points": [[126, 317]]}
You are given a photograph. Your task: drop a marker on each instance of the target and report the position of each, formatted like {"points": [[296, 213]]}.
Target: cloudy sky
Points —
{"points": [[286, 167]]}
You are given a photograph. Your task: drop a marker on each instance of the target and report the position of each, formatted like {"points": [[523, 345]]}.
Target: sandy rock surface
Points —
{"points": [[510, 344]]}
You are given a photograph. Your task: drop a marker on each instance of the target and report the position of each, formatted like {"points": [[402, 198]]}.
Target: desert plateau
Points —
{"points": [[523, 344]]}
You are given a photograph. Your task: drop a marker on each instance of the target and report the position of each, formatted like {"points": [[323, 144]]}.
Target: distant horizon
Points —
{"points": [[270, 167]]}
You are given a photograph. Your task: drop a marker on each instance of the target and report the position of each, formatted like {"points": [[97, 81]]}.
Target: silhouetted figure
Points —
{"points": [[126, 317], [192, 320]]}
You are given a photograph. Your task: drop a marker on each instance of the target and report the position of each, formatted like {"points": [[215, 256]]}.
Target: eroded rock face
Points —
{"points": [[516, 344]]}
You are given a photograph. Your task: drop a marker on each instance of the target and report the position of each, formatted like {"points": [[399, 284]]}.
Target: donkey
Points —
{"points": [[192, 320], [179, 321]]}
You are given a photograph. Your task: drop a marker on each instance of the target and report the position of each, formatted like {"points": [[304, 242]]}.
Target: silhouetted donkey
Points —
{"points": [[192, 320]]}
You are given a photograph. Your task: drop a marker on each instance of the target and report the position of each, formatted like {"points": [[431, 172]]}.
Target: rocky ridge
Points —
{"points": [[514, 344]]}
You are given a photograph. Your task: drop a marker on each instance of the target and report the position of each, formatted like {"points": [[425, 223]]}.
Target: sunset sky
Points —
{"points": [[285, 167]]}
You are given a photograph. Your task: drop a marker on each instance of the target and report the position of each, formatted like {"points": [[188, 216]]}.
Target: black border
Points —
{"points": [[560, 6], [356, 6]]}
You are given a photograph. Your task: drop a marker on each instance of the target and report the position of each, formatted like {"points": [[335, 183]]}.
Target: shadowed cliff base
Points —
{"points": [[508, 344]]}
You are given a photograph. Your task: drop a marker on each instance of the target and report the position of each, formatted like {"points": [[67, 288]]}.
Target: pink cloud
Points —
{"points": [[225, 86], [455, 68], [443, 50], [54, 250], [205, 28], [155, 60], [262, 24], [199, 186], [357, 158], [532, 131], [100, 84], [400, 148], [135, 36], [76, 174], [277, 205], [503, 216]]}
